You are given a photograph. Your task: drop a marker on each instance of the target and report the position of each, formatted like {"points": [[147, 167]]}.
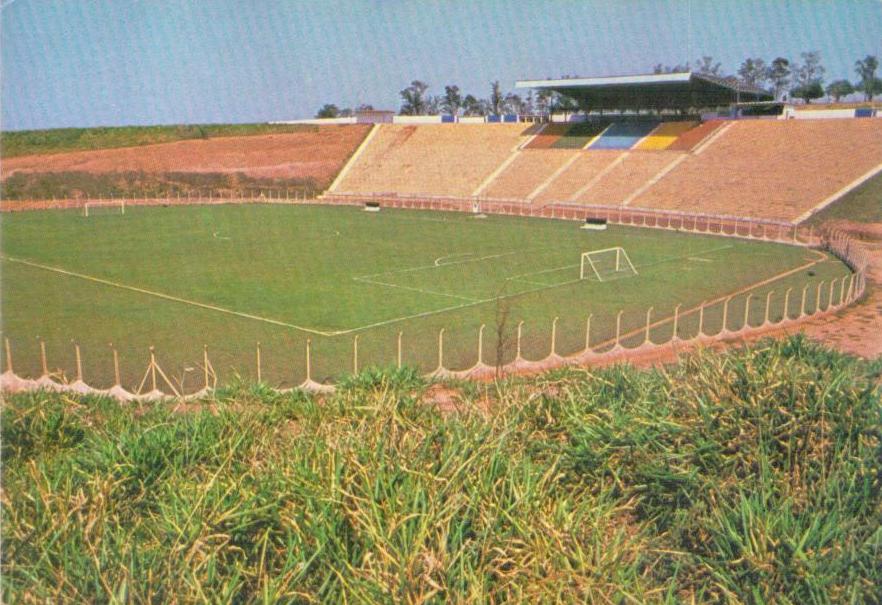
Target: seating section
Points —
{"points": [[690, 139], [433, 159], [665, 135], [548, 136], [579, 135], [623, 135], [627, 176], [588, 166], [530, 169], [770, 168]]}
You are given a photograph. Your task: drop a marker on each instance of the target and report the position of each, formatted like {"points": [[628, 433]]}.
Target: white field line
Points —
{"points": [[423, 267], [852, 185], [365, 280], [438, 260], [156, 294], [352, 160], [606, 170]]}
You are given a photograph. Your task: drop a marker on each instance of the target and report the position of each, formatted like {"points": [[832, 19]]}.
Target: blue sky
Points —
{"points": [[91, 62]]}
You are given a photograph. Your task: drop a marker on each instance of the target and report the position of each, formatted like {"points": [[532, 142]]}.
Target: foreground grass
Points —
{"points": [[57, 140], [752, 476]]}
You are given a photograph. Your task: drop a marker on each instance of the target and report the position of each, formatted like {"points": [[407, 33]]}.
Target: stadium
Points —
{"points": [[702, 231], [603, 338]]}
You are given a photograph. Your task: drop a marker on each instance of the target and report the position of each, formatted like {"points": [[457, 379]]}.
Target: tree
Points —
{"points": [[779, 75], [414, 97], [866, 71], [496, 98], [328, 110], [811, 69], [754, 72], [807, 92], [670, 69], [706, 65], [543, 100], [473, 106], [452, 102], [513, 104], [808, 77], [364, 107], [839, 89]]}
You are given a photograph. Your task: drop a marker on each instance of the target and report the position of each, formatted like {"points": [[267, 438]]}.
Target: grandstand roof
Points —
{"points": [[683, 90]]}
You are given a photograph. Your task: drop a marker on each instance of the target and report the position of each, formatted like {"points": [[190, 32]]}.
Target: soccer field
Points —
{"points": [[230, 276]]}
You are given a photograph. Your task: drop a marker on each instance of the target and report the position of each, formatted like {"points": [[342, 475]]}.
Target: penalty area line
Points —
{"points": [[153, 293]]}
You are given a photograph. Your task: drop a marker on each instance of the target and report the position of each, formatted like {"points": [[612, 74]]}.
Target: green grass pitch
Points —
{"points": [[230, 276]]}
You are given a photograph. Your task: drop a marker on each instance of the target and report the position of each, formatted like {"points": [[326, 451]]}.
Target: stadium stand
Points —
{"points": [[627, 176], [690, 139], [769, 168], [579, 135], [443, 159], [623, 135], [549, 135], [586, 167], [664, 136], [529, 170]]}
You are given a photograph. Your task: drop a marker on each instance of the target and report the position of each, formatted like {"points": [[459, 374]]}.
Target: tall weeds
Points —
{"points": [[748, 477]]}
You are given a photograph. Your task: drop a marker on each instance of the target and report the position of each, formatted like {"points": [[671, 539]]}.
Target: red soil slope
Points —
{"points": [[318, 155]]}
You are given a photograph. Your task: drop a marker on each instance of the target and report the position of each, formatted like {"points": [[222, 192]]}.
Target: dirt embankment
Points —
{"points": [[316, 156]]}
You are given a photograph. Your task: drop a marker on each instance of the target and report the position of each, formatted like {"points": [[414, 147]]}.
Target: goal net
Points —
{"points": [[606, 264], [104, 207]]}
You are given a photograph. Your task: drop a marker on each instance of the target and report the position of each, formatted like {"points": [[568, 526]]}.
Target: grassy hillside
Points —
{"points": [[27, 142], [863, 205], [749, 477]]}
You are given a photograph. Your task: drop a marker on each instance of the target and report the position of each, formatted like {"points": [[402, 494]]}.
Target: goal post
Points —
{"points": [[104, 207], [606, 264]]}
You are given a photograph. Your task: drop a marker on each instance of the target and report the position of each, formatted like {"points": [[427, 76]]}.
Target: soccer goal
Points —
{"points": [[606, 264], [104, 207]]}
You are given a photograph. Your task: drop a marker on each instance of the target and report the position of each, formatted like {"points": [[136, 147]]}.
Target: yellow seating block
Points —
{"points": [[665, 135]]}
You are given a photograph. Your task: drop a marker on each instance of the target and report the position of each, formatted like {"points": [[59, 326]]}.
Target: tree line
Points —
{"points": [[802, 79]]}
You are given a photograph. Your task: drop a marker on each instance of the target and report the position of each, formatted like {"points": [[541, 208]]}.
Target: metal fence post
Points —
{"points": [[400, 335], [818, 298], [802, 302], [308, 359], [588, 333], [676, 322], [768, 301], [441, 349], [481, 345], [725, 314], [259, 373], [648, 320], [746, 323], [787, 303], [79, 360], [553, 337], [8, 356], [43, 363], [116, 377], [518, 352], [701, 319], [619, 326], [355, 355]]}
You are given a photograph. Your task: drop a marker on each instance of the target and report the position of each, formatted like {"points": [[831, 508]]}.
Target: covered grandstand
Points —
{"points": [[679, 92]]}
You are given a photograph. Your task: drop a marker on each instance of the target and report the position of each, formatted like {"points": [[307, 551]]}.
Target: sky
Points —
{"points": [[126, 62]]}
